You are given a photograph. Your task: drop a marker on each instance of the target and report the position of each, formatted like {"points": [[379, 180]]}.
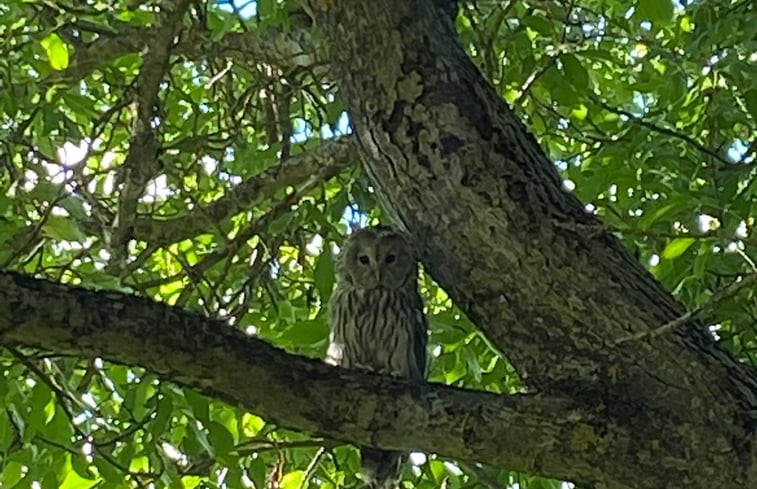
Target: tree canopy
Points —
{"points": [[212, 156]]}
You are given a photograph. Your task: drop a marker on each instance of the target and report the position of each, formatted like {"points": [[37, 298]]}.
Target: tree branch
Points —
{"points": [[285, 50], [635, 119], [744, 282], [528, 433], [455, 167], [321, 163], [142, 162]]}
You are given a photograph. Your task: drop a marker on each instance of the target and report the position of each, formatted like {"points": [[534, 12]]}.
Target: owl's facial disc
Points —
{"points": [[379, 260], [370, 268]]}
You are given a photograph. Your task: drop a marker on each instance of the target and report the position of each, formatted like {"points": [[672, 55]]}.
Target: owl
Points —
{"points": [[377, 322]]}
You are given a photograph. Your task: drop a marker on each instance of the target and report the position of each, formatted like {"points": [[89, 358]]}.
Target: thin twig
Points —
{"points": [[728, 291], [667, 131], [311, 468]]}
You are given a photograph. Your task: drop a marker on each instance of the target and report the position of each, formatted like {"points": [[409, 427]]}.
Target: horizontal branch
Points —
{"points": [[528, 433], [322, 163], [285, 50]]}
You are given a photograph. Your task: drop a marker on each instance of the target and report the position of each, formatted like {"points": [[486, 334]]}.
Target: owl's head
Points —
{"points": [[377, 257]]}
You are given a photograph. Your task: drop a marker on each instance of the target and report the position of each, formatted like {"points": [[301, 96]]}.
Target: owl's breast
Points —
{"points": [[376, 330]]}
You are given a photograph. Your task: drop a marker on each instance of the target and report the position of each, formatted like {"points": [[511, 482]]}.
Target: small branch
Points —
{"points": [[667, 131], [324, 162], [142, 162], [311, 468], [285, 50], [728, 291]]}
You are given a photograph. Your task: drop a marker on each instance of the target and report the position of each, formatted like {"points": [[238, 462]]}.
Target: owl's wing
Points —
{"points": [[338, 317], [420, 337]]}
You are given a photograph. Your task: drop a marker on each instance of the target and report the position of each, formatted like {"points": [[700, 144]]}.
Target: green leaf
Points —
{"points": [[12, 473], [292, 480], [107, 470], [220, 438], [575, 71], [56, 50], [750, 99], [251, 424], [304, 332], [677, 247], [649, 218], [63, 228], [39, 415], [137, 397], [198, 439], [73, 479], [80, 465], [324, 273], [286, 311], [660, 12], [256, 471], [45, 191], [199, 404], [163, 415], [75, 206], [7, 433], [700, 262], [539, 24]]}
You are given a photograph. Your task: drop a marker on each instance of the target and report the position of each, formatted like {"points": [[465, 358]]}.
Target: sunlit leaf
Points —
{"points": [[56, 50], [677, 247], [292, 480]]}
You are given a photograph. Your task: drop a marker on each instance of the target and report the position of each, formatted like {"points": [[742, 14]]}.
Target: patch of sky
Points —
{"points": [[244, 9], [343, 127], [642, 102], [737, 152], [303, 131], [354, 217]]}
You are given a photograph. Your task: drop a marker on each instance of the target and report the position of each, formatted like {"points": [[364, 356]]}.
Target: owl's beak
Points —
{"points": [[378, 277]]}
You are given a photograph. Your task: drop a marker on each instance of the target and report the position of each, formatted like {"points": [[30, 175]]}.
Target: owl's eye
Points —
{"points": [[363, 259], [390, 258]]}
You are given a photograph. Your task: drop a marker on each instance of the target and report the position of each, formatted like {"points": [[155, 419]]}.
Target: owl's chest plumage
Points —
{"points": [[382, 330]]}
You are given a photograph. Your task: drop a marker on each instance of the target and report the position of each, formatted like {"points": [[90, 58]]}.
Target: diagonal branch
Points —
{"points": [[743, 283], [142, 162], [322, 163], [520, 432], [667, 131]]}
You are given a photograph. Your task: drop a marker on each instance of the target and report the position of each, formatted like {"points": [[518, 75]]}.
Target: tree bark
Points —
{"points": [[553, 290], [526, 432]]}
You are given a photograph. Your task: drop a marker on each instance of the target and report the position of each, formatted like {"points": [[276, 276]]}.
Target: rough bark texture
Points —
{"points": [[540, 276], [528, 432]]}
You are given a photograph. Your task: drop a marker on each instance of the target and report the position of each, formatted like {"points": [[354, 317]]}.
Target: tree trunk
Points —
{"points": [[551, 288]]}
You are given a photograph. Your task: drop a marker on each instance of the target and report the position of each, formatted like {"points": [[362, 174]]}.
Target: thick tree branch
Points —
{"points": [[523, 432], [142, 162], [458, 170]]}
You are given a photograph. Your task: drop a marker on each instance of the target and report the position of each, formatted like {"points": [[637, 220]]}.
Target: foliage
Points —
{"points": [[645, 106]]}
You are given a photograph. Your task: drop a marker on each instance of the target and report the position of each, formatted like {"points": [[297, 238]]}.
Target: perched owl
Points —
{"points": [[377, 321]]}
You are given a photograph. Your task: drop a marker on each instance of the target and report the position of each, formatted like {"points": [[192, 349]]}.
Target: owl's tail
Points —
{"points": [[381, 468]]}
